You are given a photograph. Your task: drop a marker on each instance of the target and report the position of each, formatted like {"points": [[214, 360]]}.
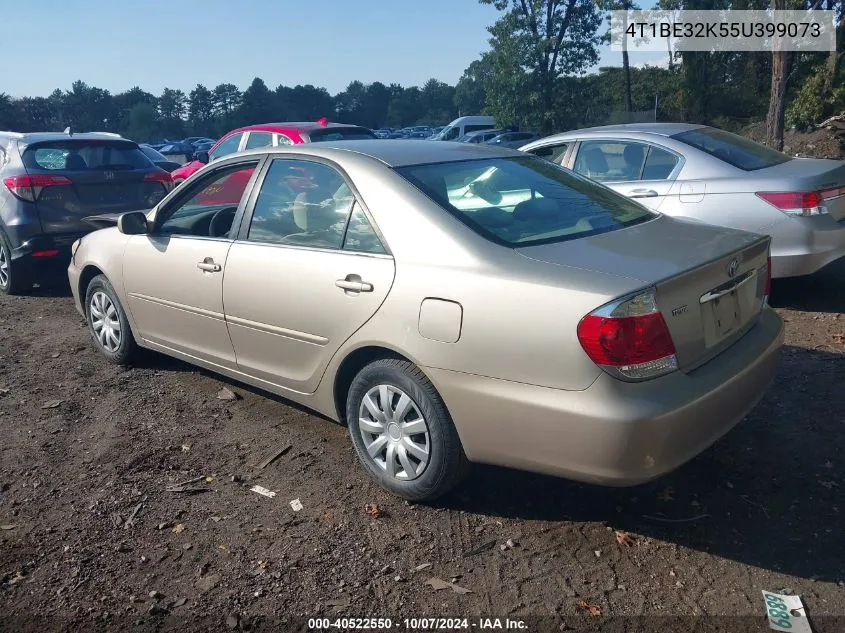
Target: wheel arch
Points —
{"points": [[88, 273], [353, 362]]}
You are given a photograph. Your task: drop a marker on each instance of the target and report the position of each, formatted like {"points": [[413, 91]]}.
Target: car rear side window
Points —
{"points": [[258, 139], [82, 155], [732, 149], [301, 203], [525, 200]]}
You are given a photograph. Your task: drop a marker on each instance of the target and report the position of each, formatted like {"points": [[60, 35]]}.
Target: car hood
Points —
{"points": [[648, 252]]}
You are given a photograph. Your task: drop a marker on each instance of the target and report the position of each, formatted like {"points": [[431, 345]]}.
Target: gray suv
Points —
{"points": [[50, 183]]}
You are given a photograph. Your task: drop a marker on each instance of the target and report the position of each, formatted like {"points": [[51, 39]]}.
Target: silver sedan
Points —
{"points": [[706, 174]]}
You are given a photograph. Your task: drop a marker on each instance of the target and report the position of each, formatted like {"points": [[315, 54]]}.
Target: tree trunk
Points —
{"points": [[833, 56], [774, 118], [627, 68]]}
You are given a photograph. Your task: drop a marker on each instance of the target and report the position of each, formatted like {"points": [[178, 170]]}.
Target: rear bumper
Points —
{"points": [[802, 246], [612, 433]]}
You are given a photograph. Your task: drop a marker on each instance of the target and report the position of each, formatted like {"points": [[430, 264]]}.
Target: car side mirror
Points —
{"points": [[202, 157], [133, 223]]}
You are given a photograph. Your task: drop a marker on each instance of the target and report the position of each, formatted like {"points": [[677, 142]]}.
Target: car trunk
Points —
{"points": [[807, 174], [709, 280], [114, 177]]}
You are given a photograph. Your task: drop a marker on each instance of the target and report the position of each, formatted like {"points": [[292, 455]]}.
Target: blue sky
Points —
{"points": [[118, 44]]}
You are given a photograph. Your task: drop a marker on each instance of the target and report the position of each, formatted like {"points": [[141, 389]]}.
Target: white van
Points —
{"points": [[464, 124]]}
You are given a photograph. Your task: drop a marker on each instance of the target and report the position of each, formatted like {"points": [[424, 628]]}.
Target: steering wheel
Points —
{"points": [[218, 227]]}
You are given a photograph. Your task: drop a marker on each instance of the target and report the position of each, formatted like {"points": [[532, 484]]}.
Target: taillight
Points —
{"points": [[629, 338], [804, 203], [30, 187], [163, 177]]}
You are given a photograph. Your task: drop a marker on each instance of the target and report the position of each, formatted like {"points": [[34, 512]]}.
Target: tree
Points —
{"points": [[172, 108], [201, 109], [546, 38], [227, 98], [142, 121], [257, 104], [471, 91]]}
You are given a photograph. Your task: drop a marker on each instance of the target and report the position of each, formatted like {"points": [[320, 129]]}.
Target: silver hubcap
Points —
{"points": [[105, 321], [4, 267], [394, 431]]}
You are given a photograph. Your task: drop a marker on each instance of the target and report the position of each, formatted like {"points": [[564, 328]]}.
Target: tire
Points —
{"points": [[408, 477], [14, 280], [101, 299]]}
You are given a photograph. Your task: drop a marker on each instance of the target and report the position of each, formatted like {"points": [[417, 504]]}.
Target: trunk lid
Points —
{"points": [[99, 177], [709, 280]]}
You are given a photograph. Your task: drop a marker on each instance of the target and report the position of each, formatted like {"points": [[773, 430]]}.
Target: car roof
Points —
{"points": [[295, 127], [398, 152], [662, 129], [40, 137]]}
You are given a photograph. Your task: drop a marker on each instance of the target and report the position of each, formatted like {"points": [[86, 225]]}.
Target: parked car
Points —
{"points": [[450, 303], [178, 151], [464, 125], [514, 140], [709, 175], [51, 182], [480, 136], [272, 135], [159, 159]]}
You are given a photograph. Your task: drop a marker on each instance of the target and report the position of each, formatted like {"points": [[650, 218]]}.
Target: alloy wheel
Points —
{"points": [[105, 321], [395, 432], [4, 267]]}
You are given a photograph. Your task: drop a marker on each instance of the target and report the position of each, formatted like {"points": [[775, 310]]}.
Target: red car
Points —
{"points": [[272, 134]]}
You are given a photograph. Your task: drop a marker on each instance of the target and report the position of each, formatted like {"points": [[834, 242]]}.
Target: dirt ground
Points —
{"points": [[84, 444]]}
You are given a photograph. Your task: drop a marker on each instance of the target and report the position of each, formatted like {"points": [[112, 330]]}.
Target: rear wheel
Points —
{"points": [[402, 431], [107, 322], [14, 280]]}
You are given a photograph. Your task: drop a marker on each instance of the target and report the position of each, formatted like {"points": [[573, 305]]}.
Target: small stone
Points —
{"points": [[386, 569], [180, 602], [398, 578], [155, 595], [232, 621], [597, 553], [510, 543], [503, 547], [163, 526], [226, 394], [187, 546], [672, 573], [679, 584]]}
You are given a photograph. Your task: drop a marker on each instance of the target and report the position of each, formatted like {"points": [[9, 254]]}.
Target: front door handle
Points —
{"points": [[353, 283], [642, 193], [208, 266]]}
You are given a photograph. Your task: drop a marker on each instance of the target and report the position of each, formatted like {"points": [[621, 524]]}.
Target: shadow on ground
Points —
{"points": [[822, 292], [766, 495]]}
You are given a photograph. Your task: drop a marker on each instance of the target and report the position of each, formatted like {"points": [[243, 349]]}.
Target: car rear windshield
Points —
{"points": [[82, 155], [524, 200], [734, 150], [340, 134]]}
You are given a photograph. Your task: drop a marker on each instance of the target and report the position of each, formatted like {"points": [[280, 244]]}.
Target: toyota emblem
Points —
{"points": [[733, 267]]}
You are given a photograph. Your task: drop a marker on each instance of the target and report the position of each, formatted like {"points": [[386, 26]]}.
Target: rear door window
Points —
{"points": [[259, 139], [659, 164], [611, 161]]}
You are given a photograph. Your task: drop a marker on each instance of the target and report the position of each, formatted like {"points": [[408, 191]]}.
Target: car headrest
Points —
{"points": [[536, 209], [75, 162], [595, 161]]}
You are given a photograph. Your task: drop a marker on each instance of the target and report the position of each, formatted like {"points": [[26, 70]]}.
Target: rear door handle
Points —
{"points": [[208, 266], [642, 193], [353, 283]]}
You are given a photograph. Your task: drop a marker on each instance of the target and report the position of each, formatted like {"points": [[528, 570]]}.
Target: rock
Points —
{"points": [[226, 394], [208, 583], [232, 621], [187, 546], [155, 595]]}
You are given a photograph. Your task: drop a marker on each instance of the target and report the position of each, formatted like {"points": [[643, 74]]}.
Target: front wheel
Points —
{"points": [[107, 322], [402, 431]]}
